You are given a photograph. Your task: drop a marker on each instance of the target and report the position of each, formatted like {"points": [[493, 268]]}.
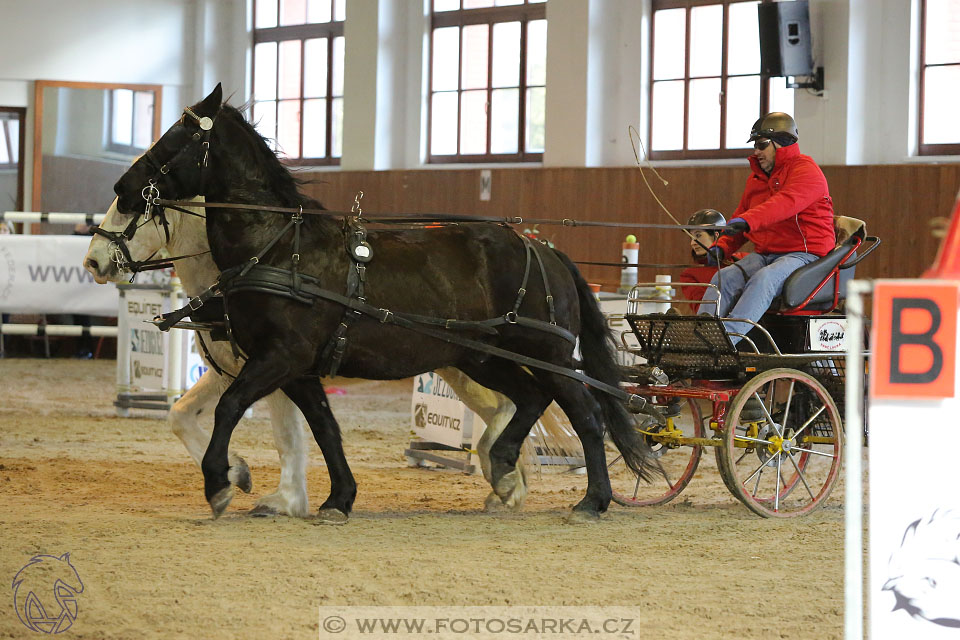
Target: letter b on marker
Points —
{"points": [[914, 341]]}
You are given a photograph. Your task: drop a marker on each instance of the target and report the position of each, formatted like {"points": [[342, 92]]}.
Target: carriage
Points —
{"points": [[774, 403]]}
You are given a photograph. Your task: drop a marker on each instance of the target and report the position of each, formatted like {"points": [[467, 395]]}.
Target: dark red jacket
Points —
{"points": [[789, 210]]}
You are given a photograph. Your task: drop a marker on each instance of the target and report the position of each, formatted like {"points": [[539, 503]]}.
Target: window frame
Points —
{"points": [[21, 117], [301, 33], [522, 13], [128, 149], [939, 149], [763, 107]]}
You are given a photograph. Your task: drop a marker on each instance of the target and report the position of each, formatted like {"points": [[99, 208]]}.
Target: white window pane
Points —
{"points": [[446, 5], [667, 116], [288, 128], [13, 130], [743, 51], [265, 71], [669, 33], [265, 121], [339, 11], [536, 98], [315, 68], [289, 85], [743, 108], [4, 155], [506, 54], [142, 119], [704, 119], [314, 128], [337, 70], [122, 130], [943, 31], [781, 98], [504, 120], [537, 52], [473, 122], [940, 123], [318, 11], [336, 129], [443, 129], [266, 14], [504, 3], [293, 12], [446, 58], [477, 4], [706, 44], [476, 40]]}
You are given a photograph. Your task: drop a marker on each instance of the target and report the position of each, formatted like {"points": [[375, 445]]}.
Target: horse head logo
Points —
{"points": [[32, 587], [420, 415], [924, 573]]}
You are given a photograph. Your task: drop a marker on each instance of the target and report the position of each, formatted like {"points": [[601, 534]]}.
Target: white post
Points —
{"points": [[853, 499], [174, 367], [123, 352]]}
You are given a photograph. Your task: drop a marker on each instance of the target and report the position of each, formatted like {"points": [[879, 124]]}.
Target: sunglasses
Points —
{"points": [[760, 145]]}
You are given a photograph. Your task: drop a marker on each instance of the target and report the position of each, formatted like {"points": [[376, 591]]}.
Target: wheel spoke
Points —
{"points": [[749, 439], [786, 411], [803, 478], [776, 486], [665, 475], [615, 461], [810, 421], [815, 452]]}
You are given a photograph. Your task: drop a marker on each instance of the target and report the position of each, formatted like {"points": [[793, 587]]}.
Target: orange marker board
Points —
{"points": [[914, 344]]}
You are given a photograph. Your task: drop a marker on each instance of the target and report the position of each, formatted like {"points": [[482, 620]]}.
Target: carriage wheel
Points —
{"points": [[677, 463], [784, 460]]}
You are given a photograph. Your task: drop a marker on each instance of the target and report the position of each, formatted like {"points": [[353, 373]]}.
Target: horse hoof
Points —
{"points": [[263, 511], [239, 473], [331, 516], [493, 504], [583, 517], [220, 500]]}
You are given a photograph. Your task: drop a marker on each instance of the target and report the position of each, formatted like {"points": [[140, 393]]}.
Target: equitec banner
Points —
{"points": [[915, 339], [45, 274]]}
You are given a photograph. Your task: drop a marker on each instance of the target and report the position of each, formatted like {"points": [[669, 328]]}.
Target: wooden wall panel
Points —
{"points": [[897, 201]]}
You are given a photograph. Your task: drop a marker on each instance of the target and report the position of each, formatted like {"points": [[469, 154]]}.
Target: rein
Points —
{"points": [[406, 218]]}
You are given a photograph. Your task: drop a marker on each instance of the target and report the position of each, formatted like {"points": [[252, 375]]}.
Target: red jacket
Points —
{"points": [[789, 210]]}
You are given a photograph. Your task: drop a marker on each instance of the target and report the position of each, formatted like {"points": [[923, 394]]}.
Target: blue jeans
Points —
{"points": [[748, 287]]}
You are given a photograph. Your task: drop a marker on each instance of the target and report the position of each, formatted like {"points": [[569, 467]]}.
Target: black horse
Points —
{"points": [[281, 272]]}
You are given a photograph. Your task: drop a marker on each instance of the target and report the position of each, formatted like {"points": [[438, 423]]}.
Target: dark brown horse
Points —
{"points": [[284, 278]]}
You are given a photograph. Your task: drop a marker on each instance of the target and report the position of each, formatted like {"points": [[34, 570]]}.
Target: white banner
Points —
{"points": [[45, 274], [437, 413], [147, 342]]}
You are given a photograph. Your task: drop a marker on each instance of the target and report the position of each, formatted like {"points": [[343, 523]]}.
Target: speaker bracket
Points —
{"points": [[814, 82]]}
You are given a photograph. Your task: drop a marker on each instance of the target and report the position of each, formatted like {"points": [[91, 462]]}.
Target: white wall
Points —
{"points": [[597, 57]]}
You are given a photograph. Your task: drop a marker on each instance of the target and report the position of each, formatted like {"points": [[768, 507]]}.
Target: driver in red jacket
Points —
{"points": [[785, 210]]}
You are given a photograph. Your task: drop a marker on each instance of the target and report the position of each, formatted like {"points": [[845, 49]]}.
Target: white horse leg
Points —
{"points": [[496, 411], [290, 498], [184, 419]]}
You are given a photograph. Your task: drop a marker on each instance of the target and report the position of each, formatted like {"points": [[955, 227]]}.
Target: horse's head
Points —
{"points": [[175, 166], [117, 250]]}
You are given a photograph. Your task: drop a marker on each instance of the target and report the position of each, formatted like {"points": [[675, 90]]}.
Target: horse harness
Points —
{"points": [[292, 284]]}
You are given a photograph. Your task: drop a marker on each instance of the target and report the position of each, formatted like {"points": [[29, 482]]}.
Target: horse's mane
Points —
{"points": [[278, 178]]}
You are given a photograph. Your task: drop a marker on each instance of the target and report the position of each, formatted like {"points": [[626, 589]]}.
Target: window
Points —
{"points": [[298, 78], [131, 121], [488, 62], [706, 90], [9, 139], [940, 77]]}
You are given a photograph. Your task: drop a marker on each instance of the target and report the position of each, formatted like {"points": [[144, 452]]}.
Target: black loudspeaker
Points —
{"points": [[785, 38]]}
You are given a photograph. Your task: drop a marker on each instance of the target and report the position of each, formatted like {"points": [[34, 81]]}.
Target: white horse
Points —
{"points": [[187, 237]]}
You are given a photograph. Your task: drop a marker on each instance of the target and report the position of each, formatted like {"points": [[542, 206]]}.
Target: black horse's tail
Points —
{"points": [[598, 355]]}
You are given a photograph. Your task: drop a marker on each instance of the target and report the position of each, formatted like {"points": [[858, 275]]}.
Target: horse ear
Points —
{"points": [[65, 557], [211, 104]]}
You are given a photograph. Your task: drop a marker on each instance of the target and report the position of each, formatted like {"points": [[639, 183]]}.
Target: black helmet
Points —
{"points": [[707, 217], [776, 126]]}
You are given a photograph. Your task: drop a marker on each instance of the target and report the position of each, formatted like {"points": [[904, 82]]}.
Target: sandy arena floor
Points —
{"points": [[123, 498]]}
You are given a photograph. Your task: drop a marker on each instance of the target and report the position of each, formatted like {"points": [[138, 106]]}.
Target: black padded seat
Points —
{"points": [[805, 279]]}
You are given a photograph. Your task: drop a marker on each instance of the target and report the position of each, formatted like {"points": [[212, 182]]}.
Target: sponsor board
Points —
{"points": [[828, 334], [437, 415], [147, 343]]}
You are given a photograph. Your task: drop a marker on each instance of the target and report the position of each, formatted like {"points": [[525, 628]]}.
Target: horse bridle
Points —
{"points": [[118, 240]]}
